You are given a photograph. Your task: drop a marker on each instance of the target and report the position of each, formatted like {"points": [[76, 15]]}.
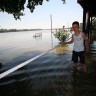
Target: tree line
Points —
{"points": [[17, 30]]}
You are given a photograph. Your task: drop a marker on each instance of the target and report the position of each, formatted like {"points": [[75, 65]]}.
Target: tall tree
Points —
{"points": [[16, 7]]}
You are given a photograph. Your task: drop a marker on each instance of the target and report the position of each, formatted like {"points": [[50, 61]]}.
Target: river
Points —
{"points": [[48, 75]]}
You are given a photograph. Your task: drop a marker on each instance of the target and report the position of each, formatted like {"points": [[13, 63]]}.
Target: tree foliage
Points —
{"points": [[16, 7], [61, 35]]}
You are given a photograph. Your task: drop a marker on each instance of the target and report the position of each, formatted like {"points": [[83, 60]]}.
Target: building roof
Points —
{"points": [[88, 5]]}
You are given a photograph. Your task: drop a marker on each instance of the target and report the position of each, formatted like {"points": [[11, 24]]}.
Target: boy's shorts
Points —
{"points": [[81, 56]]}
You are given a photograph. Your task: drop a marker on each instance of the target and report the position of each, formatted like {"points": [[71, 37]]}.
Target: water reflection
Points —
{"points": [[60, 49], [17, 44], [51, 74]]}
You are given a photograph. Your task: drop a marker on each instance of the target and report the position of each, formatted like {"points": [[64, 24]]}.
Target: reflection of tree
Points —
{"points": [[61, 49]]}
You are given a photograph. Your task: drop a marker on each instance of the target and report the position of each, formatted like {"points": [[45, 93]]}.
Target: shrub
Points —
{"points": [[61, 35]]}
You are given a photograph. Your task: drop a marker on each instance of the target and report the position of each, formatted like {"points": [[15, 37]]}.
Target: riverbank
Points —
{"points": [[17, 30]]}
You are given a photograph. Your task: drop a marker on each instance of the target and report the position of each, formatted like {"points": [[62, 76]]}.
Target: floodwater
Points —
{"points": [[48, 75]]}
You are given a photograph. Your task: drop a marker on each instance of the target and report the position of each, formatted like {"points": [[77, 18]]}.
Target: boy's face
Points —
{"points": [[75, 27]]}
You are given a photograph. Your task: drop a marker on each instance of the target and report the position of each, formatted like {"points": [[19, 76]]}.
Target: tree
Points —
{"points": [[61, 35], [16, 7]]}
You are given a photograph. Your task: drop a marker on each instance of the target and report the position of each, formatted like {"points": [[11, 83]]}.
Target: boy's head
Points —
{"points": [[75, 26]]}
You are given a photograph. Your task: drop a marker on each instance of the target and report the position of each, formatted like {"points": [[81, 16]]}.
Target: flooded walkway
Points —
{"points": [[52, 75]]}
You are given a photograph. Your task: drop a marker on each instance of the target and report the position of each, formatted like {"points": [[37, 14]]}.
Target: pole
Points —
{"points": [[51, 30], [51, 22]]}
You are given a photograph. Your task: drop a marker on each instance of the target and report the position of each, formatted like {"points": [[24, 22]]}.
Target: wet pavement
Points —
{"points": [[52, 75]]}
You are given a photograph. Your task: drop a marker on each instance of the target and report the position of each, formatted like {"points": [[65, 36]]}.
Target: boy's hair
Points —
{"points": [[75, 22]]}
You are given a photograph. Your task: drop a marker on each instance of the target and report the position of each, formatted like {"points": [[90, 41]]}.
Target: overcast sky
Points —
{"points": [[62, 15]]}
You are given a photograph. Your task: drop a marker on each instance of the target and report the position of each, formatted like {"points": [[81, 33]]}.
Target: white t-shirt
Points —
{"points": [[78, 43]]}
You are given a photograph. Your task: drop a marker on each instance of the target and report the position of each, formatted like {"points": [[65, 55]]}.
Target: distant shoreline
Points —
{"points": [[20, 30], [17, 30]]}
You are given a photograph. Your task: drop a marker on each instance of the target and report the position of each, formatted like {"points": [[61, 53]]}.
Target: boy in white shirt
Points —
{"points": [[78, 49]]}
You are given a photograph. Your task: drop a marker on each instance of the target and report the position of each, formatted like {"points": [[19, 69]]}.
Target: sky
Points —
{"points": [[62, 15]]}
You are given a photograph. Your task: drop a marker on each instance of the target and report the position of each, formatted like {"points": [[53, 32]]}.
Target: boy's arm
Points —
{"points": [[86, 41], [69, 42]]}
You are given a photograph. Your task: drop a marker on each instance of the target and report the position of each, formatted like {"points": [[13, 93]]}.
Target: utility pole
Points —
{"points": [[51, 22], [51, 30]]}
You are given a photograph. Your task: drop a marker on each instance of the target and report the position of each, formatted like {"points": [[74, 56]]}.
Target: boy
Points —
{"points": [[78, 49]]}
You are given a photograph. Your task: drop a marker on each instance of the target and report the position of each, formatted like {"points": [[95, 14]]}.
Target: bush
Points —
{"points": [[61, 35]]}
